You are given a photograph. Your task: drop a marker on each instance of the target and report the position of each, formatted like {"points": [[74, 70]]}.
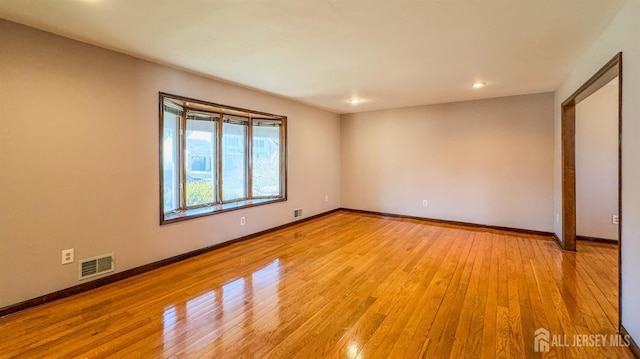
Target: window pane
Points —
{"points": [[199, 160], [266, 160], [234, 176], [170, 159]]}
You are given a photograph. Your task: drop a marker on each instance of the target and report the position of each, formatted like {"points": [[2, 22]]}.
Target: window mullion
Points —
{"points": [[219, 159], [283, 157], [182, 143], [249, 159]]}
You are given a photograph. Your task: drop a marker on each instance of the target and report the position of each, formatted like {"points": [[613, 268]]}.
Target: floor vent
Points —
{"points": [[95, 266], [297, 213]]}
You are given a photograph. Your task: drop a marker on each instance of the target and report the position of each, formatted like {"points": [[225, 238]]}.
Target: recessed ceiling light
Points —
{"points": [[354, 101], [479, 84]]}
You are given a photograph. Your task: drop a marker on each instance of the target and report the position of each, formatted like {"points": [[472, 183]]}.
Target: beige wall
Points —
{"points": [[484, 162], [597, 164], [79, 161], [623, 34]]}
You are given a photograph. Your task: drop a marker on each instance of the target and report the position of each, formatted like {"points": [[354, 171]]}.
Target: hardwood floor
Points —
{"points": [[342, 286]]}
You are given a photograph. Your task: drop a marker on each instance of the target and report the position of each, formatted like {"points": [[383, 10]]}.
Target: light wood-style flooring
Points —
{"points": [[345, 285]]}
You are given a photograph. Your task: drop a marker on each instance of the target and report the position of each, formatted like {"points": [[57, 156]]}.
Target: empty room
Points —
{"points": [[319, 179]]}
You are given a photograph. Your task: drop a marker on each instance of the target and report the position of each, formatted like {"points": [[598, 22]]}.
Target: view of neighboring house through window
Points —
{"points": [[200, 153], [217, 158], [266, 156], [234, 159]]}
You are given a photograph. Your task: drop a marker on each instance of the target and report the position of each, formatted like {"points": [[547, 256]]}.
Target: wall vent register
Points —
{"points": [[92, 267]]}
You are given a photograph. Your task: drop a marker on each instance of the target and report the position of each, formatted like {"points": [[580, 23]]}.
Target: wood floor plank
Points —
{"points": [[345, 285], [491, 310], [472, 315], [449, 314], [431, 299]]}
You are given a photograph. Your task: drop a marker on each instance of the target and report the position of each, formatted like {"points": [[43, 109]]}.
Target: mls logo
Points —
{"points": [[541, 340]]}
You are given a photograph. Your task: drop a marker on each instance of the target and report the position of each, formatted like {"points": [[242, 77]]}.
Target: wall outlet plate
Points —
{"points": [[242, 221], [67, 256]]}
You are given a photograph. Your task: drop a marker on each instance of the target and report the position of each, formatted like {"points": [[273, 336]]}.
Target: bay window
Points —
{"points": [[217, 158]]}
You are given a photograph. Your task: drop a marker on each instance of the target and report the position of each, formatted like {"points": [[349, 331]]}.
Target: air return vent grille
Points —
{"points": [[95, 266]]}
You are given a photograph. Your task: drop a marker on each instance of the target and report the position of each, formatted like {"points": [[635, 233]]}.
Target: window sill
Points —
{"points": [[178, 216]]}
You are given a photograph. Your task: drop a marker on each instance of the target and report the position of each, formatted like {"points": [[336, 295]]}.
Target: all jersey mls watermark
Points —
{"points": [[543, 340]]}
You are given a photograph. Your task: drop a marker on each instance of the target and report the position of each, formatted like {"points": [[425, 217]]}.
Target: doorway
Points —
{"points": [[604, 76], [597, 139]]}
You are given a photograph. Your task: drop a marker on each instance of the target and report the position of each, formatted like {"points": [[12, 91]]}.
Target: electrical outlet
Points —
{"points": [[425, 203], [615, 219], [242, 221], [67, 256], [557, 217], [326, 198]]}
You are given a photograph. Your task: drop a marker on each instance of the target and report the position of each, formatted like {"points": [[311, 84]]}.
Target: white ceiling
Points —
{"points": [[389, 53]]}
